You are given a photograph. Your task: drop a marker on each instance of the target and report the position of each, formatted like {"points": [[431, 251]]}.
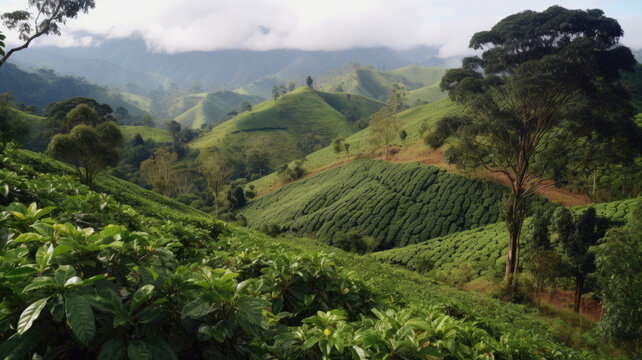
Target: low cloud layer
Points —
{"points": [[190, 25]]}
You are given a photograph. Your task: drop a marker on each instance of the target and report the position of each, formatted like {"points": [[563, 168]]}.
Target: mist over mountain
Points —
{"points": [[120, 62]]}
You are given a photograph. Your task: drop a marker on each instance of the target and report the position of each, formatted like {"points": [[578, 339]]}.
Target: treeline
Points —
{"points": [[395, 204]]}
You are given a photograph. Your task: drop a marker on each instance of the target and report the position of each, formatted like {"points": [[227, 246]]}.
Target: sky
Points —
{"points": [[174, 26]]}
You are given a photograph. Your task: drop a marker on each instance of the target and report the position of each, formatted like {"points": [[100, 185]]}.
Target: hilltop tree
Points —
{"points": [[308, 81], [64, 115], [90, 149], [82, 114], [277, 91], [541, 74], [46, 19], [384, 124], [403, 135], [246, 106], [291, 86]]}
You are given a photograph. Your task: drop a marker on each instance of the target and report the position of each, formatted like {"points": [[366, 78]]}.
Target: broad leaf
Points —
{"points": [[140, 296], [30, 314], [111, 350], [159, 349], [80, 317], [137, 350]]}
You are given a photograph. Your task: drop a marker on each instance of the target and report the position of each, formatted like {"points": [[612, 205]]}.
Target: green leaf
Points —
{"points": [[18, 346], [140, 296], [137, 350], [80, 318], [43, 229], [30, 314], [39, 283], [25, 238], [159, 349], [64, 273], [44, 255], [196, 309], [20, 272], [111, 350]]}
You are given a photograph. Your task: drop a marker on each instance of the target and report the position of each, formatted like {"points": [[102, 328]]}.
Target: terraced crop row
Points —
{"points": [[397, 204], [484, 248]]}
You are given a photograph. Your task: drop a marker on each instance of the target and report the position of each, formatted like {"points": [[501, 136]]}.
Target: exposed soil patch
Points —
{"points": [[561, 299]]}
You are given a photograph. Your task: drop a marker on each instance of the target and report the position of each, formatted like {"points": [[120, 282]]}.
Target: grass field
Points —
{"points": [[146, 132], [411, 120], [295, 123]]}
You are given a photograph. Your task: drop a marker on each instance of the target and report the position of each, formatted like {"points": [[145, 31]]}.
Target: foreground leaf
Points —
{"points": [[81, 318], [30, 314]]}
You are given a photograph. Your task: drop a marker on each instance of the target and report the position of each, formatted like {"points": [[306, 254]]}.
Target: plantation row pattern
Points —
{"points": [[397, 204], [483, 248]]}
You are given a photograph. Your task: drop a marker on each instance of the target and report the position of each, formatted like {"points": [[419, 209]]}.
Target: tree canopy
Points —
{"points": [[543, 80]]}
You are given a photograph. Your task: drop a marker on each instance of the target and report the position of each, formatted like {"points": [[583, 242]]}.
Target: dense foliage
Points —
{"points": [[483, 248], [86, 276], [397, 204]]}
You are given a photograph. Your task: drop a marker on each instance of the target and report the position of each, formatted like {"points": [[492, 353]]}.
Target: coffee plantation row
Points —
{"points": [[83, 275], [397, 204], [483, 248]]}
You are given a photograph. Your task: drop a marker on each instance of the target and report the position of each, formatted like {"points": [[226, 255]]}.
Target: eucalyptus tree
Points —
{"points": [[44, 17], [541, 75]]}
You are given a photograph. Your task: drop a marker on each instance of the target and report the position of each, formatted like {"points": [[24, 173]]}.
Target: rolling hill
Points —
{"points": [[367, 81], [397, 204], [295, 124], [207, 108], [45, 86]]}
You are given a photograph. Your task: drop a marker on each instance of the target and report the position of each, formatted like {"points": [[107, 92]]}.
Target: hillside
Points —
{"points": [[369, 82], [44, 87], [156, 250], [483, 248], [295, 125], [146, 132], [411, 121], [397, 204], [207, 109]]}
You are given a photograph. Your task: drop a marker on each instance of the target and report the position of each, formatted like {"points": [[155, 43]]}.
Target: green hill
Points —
{"points": [[44, 87], [411, 121], [428, 94], [147, 133], [132, 262], [198, 109], [295, 125], [483, 248], [367, 81], [397, 204]]}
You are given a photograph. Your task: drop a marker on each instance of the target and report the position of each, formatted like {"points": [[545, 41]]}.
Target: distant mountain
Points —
{"points": [[45, 86], [108, 62], [370, 82], [296, 124]]}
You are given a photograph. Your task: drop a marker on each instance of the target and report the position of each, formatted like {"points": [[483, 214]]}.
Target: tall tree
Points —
{"points": [[159, 171], [384, 124], [45, 18], [91, 150], [576, 237], [217, 174], [308, 81], [542, 73]]}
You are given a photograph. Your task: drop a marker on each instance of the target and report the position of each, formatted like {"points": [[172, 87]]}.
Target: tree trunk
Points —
{"points": [[579, 289], [515, 220]]}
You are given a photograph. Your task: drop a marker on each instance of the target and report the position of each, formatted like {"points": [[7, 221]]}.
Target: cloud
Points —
{"points": [[202, 25]]}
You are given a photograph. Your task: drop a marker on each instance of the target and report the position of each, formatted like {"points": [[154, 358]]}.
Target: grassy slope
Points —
{"points": [[142, 102], [195, 110], [483, 248], [397, 204], [146, 132], [430, 94], [411, 120], [402, 286], [373, 83], [291, 120]]}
